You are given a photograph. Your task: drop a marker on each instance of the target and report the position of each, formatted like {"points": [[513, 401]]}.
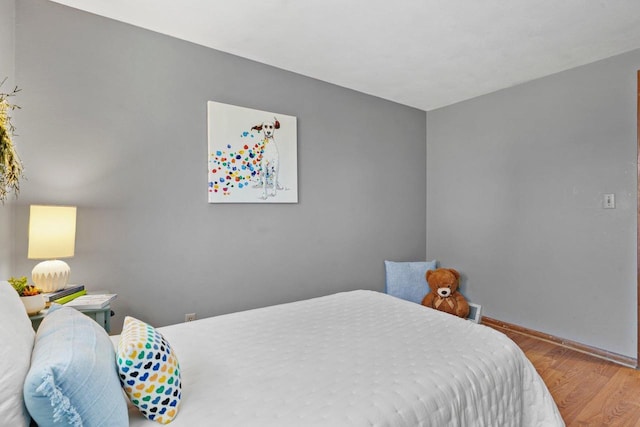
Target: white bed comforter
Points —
{"points": [[352, 359]]}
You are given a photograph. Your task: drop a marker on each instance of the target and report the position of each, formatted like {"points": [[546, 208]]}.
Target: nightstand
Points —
{"points": [[101, 315]]}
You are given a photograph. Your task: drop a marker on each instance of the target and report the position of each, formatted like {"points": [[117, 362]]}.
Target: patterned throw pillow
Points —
{"points": [[149, 371]]}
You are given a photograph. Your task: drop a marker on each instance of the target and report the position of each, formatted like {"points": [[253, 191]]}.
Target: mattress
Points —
{"points": [[358, 358]]}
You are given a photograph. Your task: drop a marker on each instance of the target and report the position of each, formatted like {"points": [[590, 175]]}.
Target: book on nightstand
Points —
{"points": [[71, 297], [91, 302], [68, 290]]}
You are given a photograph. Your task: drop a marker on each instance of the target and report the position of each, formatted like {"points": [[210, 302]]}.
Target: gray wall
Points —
{"points": [[7, 69], [114, 121], [515, 184]]}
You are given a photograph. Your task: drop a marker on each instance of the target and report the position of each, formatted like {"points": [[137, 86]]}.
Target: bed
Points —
{"points": [[358, 358]]}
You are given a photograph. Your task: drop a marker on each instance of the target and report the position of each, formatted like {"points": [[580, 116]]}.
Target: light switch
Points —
{"points": [[610, 201]]}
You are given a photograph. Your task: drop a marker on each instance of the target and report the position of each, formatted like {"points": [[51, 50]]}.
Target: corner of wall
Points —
{"points": [[7, 56], [7, 261], [426, 182]]}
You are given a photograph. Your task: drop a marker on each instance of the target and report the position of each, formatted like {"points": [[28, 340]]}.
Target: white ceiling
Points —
{"points": [[422, 53]]}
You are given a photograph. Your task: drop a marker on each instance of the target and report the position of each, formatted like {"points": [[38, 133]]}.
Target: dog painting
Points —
{"points": [[269, 161], [252, 155]]}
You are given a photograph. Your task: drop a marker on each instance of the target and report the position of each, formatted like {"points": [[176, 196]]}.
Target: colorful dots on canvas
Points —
{"points": [[235, 169]]}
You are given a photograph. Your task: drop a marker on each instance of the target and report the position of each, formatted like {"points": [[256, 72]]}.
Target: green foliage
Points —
{"points": [[10, 163], [19, 284]]}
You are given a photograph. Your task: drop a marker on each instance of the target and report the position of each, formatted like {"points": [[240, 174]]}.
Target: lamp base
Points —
{"points": [[51, 275]]}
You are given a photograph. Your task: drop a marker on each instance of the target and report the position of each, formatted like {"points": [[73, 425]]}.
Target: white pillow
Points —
{"points": [[16, 342]]}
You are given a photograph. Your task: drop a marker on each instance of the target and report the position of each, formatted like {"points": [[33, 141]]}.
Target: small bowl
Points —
{"points": [[33, 304]]}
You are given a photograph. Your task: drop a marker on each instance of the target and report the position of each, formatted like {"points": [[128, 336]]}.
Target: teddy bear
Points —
{"points": [[444, 295]]}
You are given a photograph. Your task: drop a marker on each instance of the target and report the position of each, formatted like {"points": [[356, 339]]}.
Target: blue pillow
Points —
{"points": [[406, 280], [73, 378]]}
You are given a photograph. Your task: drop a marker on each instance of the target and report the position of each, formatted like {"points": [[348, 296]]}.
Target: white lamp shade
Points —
{"points": [[52, 232]]}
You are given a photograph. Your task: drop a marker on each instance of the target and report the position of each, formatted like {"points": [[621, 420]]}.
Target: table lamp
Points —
{"points": [[52, 235]]}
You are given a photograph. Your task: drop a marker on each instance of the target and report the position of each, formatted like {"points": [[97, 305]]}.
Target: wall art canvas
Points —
{"points": [[253, 155]]}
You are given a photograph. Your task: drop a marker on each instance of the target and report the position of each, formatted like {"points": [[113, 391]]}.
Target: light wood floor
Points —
{"points": [[588, 391]]}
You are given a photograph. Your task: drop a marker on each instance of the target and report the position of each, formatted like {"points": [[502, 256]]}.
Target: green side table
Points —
{"points": [[101, 315]]}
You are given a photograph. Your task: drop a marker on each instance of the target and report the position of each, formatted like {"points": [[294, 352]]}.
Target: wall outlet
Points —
{"points": [[189, 317]]}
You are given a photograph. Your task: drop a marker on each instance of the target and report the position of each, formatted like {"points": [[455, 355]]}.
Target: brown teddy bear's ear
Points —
{"points": [[455, 273], [429, 272]]}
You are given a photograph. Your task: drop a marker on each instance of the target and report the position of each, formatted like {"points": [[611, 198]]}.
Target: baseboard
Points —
{"points": [[582, 348]]}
